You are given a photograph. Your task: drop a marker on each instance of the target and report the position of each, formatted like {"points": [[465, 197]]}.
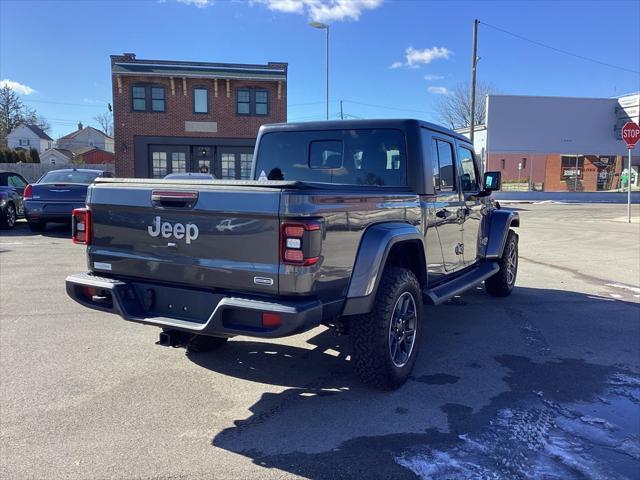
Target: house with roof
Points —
{"points": [[93, 156], [85, 137], [26, 136], [56, 156]]}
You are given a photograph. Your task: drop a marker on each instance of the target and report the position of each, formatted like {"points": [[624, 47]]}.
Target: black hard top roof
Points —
{"points": [[398, 123]]}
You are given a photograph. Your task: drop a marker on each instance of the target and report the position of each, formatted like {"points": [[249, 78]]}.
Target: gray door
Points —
{"points": [[448, 205], [472, 211]]}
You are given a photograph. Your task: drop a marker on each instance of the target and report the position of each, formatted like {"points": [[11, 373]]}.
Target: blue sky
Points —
{"points": [[60, 49]]}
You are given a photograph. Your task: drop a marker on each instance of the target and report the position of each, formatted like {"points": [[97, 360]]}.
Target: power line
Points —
{"points": [[559, 50], [387, 107], [65, 103]]}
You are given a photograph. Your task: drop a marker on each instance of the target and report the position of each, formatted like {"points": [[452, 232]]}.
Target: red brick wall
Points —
{"points": [[553, 179], [179, 108]]}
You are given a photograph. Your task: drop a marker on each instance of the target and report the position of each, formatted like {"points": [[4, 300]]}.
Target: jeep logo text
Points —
{"points": [[178, 230]]}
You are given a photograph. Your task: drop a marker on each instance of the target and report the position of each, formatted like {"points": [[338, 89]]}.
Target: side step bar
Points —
{"points": [[442, 293]]}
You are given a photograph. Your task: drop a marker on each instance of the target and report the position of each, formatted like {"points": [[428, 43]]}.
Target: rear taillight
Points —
{"points": [[28, 192], [81, 226], [301, 243]]}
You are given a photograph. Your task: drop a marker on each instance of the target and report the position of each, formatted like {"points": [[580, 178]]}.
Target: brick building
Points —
{"points": [[175, 116]]}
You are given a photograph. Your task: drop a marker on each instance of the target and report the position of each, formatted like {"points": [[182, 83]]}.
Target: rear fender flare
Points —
{"points": [[376, 243]]}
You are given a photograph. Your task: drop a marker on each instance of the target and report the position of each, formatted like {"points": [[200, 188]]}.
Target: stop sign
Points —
{"points": [[631, 134]]}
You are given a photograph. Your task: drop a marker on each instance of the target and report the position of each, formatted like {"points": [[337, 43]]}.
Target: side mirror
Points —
{"points": [[492, 181]]}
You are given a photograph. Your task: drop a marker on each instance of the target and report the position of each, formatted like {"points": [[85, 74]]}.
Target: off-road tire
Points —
{"points": [[37, 226], [369, 333], [205, 343], [501, 283], [8, 217]]}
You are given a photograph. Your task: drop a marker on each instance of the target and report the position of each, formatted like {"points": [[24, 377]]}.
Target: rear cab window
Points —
{"points": [[375, 157], [69, 176]]}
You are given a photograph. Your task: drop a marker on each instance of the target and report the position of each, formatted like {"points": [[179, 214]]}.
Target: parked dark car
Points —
{"points": [[11, 206], [56, 194]]}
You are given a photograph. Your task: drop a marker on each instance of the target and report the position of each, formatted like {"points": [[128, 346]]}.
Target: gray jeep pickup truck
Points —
{"points": [[351, 224]]}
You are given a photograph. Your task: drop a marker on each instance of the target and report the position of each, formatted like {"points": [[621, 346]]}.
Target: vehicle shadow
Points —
{"points": [[480, 356], [54, 230]]}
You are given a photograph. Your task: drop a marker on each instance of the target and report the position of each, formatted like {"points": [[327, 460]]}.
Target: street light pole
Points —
{"points": [[325, 27]]}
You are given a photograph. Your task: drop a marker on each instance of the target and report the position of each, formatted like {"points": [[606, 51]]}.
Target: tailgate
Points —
{"points": [[212, 236], [59, 192]]}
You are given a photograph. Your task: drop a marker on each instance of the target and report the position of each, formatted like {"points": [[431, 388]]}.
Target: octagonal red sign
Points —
{"points": [[631, 134]]}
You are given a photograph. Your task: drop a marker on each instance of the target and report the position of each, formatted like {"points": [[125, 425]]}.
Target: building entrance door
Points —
{"points": [[202, 160]]}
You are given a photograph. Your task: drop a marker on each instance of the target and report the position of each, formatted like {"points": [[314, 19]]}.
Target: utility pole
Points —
{"points": [[474, 62], [341, 112]]}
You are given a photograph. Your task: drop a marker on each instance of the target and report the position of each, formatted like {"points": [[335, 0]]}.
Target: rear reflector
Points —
{"points": [[271, 320], [81, 226]]}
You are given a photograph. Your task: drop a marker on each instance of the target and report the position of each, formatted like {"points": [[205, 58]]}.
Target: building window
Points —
{"points": [[244, 102], [159, 164], [147, 98], [24, 142], [52, 161], [157, 99], [503, 163], [262, 102], [178, 162], [139, 99], [200, 100], [228, 165], [246, 161], [252, 101], [572, 167]]}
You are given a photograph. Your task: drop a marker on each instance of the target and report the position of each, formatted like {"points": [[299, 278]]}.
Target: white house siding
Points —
{"points": [[23, 137], [52, 157], [87, 137]]}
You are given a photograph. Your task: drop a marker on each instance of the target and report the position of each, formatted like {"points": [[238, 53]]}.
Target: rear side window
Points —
{"points": [[358, 157], [69, 176], [442, 162], [468, 174]]}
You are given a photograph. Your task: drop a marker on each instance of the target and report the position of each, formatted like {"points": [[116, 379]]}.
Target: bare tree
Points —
{"points": [[453, 110], [105, 120], [13, 112]]}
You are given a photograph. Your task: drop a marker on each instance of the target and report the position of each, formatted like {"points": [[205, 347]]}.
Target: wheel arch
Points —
{"points": [[500, 221], [381, 245]]}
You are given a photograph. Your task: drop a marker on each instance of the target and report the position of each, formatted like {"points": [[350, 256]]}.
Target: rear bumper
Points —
{"points": [[61, 212], [191, 310]]}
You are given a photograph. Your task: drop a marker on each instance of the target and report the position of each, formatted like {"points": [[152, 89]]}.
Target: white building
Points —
{"points": [[56, 156], [85, 137], [26, 136], [558, 143]]}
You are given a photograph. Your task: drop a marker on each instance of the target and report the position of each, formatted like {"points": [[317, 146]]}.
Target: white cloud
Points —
{"points": [[197, 3], [16, 87], [430, 77], [414, 58], [439, 90], [322, 10]]}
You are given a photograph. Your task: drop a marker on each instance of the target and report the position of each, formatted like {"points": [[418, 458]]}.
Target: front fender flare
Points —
{"points": [[376, 243], [499, 223]]}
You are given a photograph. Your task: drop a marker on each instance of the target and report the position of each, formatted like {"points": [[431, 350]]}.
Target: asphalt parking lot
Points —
{"points": [[543, 384]]}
